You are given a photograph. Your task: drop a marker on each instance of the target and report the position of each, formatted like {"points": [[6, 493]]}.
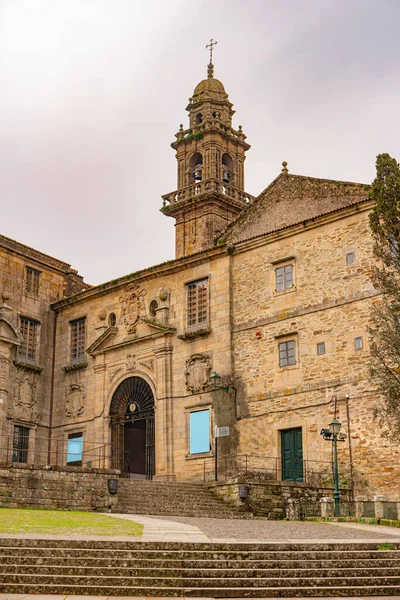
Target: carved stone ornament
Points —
{"points": [[25, 393], [4, 361], [24, 401], [75, 400], [132, 308], [114, 372], [148, 364], [130, 362], [197, 372]]}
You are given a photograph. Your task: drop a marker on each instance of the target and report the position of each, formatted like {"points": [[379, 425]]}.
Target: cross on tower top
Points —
{"points": [[211, 47]]}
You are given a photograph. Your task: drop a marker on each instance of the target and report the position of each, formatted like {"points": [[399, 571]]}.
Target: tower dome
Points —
{"points": [[209, 88]]}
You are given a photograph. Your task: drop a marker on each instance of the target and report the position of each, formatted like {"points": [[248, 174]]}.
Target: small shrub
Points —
{"points": [[386, 546]]}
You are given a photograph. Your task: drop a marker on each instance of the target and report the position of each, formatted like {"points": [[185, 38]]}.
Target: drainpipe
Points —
{"points": [[52, 388]]}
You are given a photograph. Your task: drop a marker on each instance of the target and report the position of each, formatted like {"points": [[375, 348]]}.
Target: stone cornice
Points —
{"points": [[35, 255], [162, 270], [131, 341], [298, 312]]}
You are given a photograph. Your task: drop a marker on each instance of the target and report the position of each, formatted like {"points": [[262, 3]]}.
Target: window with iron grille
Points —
{"points": [[27, 350], [197, 304], [284, 278], [287, 353], [20, 444], [32, 281], [78, 340]]}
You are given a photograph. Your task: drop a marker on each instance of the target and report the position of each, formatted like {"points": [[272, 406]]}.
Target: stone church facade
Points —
{"points": [[271, 293]]}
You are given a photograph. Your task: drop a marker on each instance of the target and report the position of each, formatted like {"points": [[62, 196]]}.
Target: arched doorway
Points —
{"points": [[132, 429]]}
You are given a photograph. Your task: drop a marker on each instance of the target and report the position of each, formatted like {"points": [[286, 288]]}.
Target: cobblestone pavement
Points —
{"points": [[242, 530]]}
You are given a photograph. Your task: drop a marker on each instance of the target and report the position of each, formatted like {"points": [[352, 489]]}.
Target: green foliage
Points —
{"points": [[385, 328], [386, 546]]}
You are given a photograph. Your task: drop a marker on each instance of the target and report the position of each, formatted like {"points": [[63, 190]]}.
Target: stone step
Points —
{"points": [[297, 549], [167, 573], [200, 564], [182, 551], [226, 592], [195, 582]]}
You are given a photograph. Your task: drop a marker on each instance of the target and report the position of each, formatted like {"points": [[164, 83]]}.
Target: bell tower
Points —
{"points": [[210, 156]]}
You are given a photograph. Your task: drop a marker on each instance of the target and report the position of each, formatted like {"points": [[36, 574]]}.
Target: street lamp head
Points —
{"points": [[215, 380], [335, 426]]}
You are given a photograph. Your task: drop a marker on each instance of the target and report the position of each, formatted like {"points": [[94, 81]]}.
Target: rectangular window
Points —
{"points": [[350, 258], [78, 340], [27, 350], [287, 353], [199, 431], [358, 343], [321, 348], [197, 304], [20, 444], [32, 281], [284, 278], [75, 449]]}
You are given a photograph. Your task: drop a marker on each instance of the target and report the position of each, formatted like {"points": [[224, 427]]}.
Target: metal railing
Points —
{"points": [[263, 468], [34, 451]]}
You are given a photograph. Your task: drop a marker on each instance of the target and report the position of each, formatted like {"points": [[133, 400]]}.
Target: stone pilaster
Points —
{"points": [[163, 414]]}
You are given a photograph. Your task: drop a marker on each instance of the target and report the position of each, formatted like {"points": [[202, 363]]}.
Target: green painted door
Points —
{"points": [[292, 454]]}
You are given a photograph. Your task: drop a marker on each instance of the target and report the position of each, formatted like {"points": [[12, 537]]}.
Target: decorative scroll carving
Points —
{"points": [[133, 308], [75, 400], [148, 364], [130, 362], [114, 373], [4, 361], [197, 372]]}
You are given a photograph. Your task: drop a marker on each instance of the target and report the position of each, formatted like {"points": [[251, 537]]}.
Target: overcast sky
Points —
{"points": [[93, 91]]}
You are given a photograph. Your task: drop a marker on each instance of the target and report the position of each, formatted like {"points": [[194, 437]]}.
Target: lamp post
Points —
{"points": [[334, 427], [332, 434]]}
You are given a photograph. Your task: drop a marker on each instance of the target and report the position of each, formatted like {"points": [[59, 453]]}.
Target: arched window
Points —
{"points": [[227, 168], [199, 118], [196, 168]]}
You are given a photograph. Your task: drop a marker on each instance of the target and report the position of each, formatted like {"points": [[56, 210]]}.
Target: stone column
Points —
{"points": [[379, 500], [163, 413], [293, 510], [327, 507], [359, 505], [5, 399]]}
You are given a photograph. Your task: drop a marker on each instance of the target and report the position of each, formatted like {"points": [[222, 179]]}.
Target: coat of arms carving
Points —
{"points": [[75, 400], [133, 308], [25, 393], [197, 372]]}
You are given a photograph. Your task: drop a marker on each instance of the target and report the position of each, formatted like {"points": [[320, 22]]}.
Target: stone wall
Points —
{"points": [[71, 488], [272, 499], [330, 302]]}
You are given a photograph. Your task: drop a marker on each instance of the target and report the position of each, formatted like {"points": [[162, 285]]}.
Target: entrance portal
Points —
{"points": [[132, 429]]}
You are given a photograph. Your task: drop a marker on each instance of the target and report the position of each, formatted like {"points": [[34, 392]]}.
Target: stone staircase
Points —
{"points": [[105, 568], [138, 496]]}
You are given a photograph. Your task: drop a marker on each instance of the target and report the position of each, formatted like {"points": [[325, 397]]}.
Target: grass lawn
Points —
{"points": [[19, 520]]}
